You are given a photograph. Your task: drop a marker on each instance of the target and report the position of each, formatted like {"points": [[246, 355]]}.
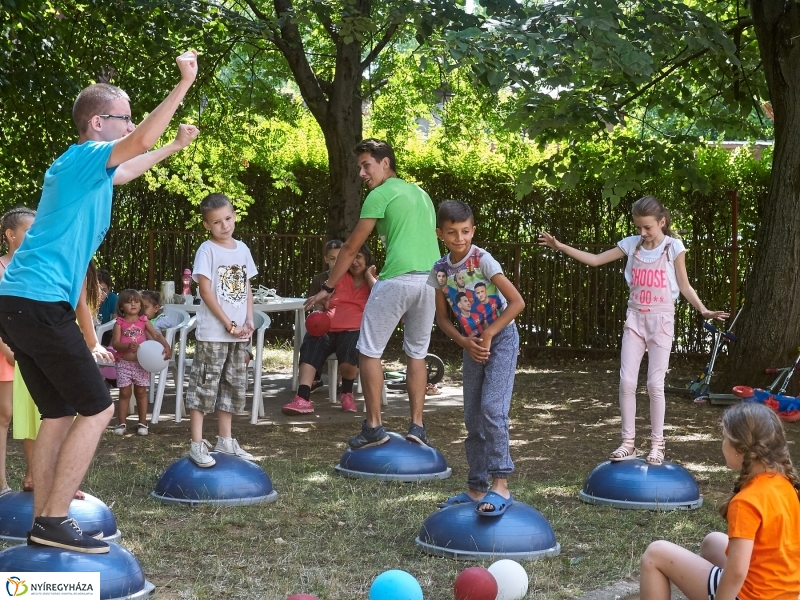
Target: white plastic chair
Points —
{"points": [[179, 369], [101, 329], [333, 379], [261, 321], [181, 319]]}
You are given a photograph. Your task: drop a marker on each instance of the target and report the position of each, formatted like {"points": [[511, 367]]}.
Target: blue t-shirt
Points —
{"points": [[71, 221]]}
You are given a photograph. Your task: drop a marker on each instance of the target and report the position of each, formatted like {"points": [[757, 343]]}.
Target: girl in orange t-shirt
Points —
{"points": [[760, 556]]}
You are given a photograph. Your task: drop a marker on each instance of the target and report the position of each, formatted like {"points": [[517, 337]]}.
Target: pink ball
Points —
{"points": [[318, 323], [475, 583]]}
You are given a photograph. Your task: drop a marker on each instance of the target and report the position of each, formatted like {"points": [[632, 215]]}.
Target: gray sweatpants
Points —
{"points": [[487, 401]]}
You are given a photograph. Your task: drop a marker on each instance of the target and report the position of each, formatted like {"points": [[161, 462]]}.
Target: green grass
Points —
{"points": [[332, 536]]}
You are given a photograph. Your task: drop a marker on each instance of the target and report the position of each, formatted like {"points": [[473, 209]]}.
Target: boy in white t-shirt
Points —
{"points": [[223, 267]]}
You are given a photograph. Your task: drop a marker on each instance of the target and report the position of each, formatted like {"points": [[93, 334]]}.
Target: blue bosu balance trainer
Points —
{"points": [[396, 460], [521, 533], [636, 484], [120, 573], [16, 517], [233, 481]]}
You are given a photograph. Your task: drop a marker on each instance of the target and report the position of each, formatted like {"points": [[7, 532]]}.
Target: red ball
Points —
{"points": [[302, 597], [318, 323], [475, 583]]}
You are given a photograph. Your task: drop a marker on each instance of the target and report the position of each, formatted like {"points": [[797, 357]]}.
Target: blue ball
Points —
{"points": [[395, 585], [636, 484], [521, 533], [233, 481], [16, 516], [120, 573], [396, 460]]}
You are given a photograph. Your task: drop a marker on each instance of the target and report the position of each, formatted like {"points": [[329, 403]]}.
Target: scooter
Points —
{"points": [[396, 380], [700, 388], [787, 407]]}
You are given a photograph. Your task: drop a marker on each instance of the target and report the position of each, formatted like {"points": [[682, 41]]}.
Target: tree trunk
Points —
{"points": [[768, 331], [342, 131]]}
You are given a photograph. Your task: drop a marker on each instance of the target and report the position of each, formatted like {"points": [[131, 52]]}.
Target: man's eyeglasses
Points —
{"points": [[126, 118]]}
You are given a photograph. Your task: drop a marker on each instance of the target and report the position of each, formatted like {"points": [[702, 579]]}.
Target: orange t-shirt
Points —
{"points": [[767, 511]]}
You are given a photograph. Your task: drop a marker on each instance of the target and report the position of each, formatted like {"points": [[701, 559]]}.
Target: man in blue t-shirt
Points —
{"points": [[42, 284]]}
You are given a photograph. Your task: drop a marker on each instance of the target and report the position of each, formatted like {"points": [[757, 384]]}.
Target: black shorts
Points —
{"points": [[57, 366], [316, 350]]}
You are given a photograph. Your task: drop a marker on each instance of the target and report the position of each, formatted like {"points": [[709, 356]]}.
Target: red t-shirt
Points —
{"points": [[346, 306], [767, 511]]}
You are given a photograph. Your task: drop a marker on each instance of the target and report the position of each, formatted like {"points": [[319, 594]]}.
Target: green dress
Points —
{"points": [[26, 419]]}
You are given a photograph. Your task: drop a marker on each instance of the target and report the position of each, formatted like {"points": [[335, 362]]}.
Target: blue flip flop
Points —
{"points": [[462, 498], [500, 504]]}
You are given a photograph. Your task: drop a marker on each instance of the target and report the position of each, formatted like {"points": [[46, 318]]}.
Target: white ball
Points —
{"points": [[151, 356], [512, 579]]}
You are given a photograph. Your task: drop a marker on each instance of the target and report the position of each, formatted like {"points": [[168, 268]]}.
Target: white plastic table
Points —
{"points": [[287, 304]]}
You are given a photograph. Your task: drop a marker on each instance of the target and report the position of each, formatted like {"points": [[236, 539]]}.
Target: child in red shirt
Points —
{"points": [[760, 556]]}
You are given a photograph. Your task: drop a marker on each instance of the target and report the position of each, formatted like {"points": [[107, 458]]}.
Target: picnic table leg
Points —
{"points": [[299, 332]]}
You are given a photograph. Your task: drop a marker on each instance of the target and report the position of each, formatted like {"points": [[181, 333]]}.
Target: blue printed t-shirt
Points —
{"points": [[71, 221], [469, 290], [406, 222]]}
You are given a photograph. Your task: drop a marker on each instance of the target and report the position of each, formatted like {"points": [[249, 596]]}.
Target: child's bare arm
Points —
{"points": [[116, 344], [371, 276], [515, 305], [6, 352], [133, 168], [688, 291], [157, 336], [587, 258], [147, 133], [736, 567]]}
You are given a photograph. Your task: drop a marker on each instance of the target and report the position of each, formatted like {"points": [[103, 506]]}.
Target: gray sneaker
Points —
{"points": [[369, 436], [232, 447], [417, 434], [199, 454]]}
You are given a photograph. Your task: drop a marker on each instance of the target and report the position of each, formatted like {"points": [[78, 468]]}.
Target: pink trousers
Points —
{"points": [[651, 331]]}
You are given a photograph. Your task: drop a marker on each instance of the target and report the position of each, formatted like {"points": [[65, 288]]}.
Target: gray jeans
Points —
{"points": [[487, 400]]}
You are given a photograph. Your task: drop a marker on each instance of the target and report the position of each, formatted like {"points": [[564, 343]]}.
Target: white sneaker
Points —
{"points": [[119, 429], [142, 429], [231, 446], [199, 455]]}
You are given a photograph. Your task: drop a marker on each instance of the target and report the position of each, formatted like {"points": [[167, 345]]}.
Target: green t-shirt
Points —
{"points": [[406, 224]]}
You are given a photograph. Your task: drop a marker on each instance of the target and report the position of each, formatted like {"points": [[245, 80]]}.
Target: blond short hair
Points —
{"points": [[94, 100]]}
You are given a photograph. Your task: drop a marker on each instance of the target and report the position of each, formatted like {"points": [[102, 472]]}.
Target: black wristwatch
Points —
{"points": [[325, 287]]}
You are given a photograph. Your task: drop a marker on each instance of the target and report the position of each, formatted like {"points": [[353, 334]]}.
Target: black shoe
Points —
{"points": [[369, 436], [316, 384], [417, 434], [65, 533]]}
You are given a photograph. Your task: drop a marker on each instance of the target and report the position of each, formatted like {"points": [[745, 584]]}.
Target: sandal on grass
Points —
{"points": [[656, 455], [462, 498], [497, 502], [27, 485], [5, 490], [626, 451]]}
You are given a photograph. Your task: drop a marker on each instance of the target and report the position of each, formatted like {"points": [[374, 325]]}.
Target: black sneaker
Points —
{"points": [[316, 384], [417, 434], [369, 436], [65, 533]]}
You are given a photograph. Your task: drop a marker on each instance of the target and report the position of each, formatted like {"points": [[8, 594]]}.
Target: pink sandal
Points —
{"points": [[626, 451]]}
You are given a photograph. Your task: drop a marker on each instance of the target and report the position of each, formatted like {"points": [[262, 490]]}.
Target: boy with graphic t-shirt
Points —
{"points": [[223, 267], [491, 344]]}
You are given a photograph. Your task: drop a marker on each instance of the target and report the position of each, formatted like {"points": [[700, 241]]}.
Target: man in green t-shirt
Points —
{"points": [[406, 222]]}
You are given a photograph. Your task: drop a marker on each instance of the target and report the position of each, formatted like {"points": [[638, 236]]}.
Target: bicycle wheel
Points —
{"points": [[435, 366]]}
